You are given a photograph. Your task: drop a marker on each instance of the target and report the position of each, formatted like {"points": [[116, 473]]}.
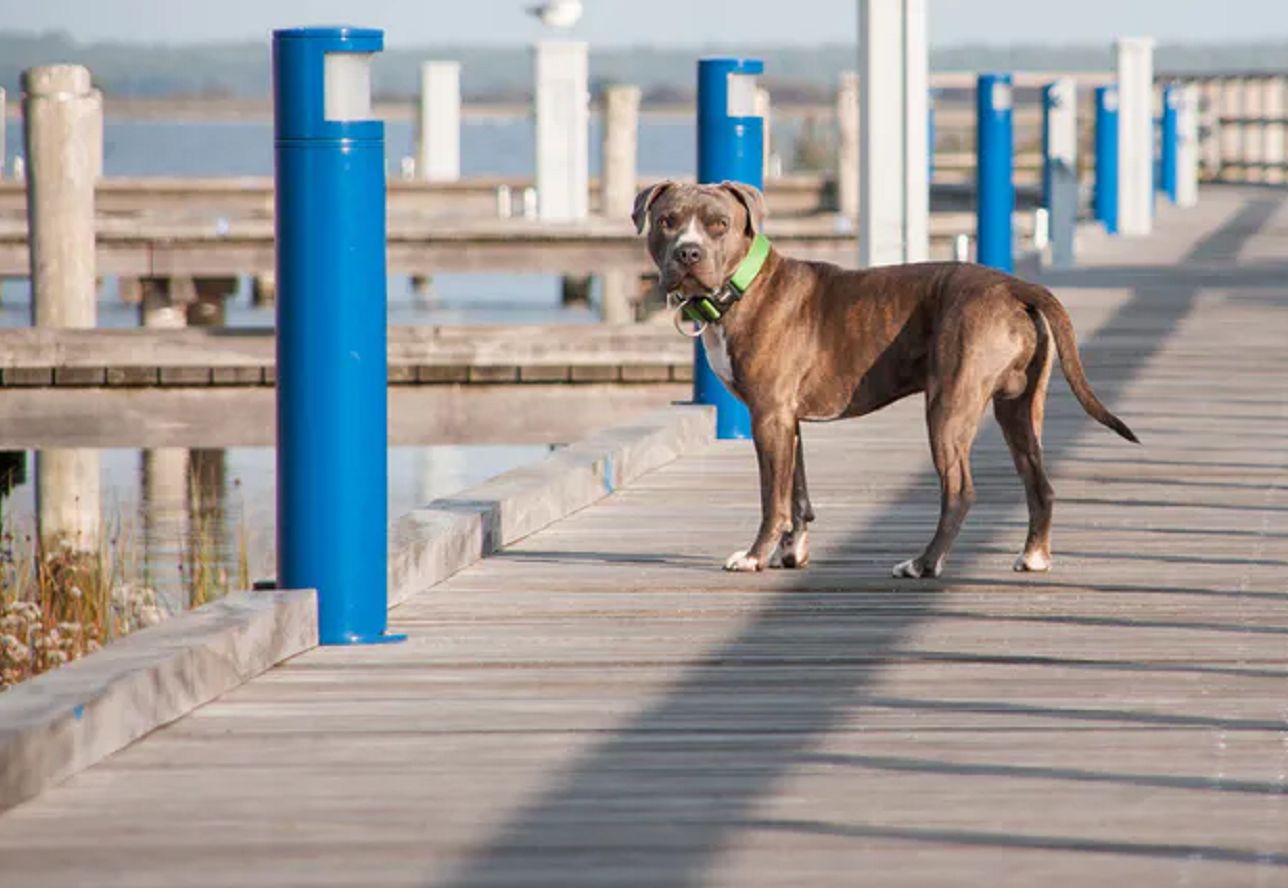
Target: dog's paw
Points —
{"points": [[1036, 562], [916, 568], [792, 551], [741, 562]]}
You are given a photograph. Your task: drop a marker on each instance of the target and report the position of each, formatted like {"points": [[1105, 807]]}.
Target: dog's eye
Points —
{"points": [[719, 226], [669, 221]]}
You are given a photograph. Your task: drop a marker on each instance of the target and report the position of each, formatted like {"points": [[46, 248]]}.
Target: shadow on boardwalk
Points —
{"points": [[627, 806]]}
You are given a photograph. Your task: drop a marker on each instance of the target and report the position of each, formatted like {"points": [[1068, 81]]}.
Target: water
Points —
{"points": [[489, 147], [159, 503]]}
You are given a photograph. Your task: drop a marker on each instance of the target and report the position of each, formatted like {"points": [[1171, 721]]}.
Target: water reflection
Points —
{"points": [[192, 523]]}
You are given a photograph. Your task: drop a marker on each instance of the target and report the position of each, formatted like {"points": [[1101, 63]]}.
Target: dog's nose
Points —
{"points": [[688, 254]]}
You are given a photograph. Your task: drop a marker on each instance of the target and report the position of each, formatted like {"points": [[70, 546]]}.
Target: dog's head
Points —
{"points": [[697, 234]]}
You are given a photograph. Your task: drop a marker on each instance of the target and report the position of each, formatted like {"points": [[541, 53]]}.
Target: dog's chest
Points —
{"points": [[717, 349]]}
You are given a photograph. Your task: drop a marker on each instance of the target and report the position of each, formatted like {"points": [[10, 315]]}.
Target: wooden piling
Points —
{"points": [[847, 145], [620, 150], [63, 129]]}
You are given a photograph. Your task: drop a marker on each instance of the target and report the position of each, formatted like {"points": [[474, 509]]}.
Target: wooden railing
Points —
{"points": [[1244, 127]]}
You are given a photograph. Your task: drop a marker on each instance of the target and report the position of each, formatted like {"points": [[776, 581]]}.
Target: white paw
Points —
{"points": [[742, 562], [914, 568], [1033, 561], [792, 551], [910, 568]]}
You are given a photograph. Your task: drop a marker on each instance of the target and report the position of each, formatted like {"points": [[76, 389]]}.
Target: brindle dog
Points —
{"points": [[809, 341]]}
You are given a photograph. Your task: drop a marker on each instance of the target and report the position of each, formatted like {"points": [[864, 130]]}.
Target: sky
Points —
{"points": [[668, 22]]}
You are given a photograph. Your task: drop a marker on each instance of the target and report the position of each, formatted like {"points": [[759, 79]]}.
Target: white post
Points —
{"points": [[166, 502], [847, 145], [1062, 123], [438, 135], [619, 167], [63, 129], [764, 106], [894, 193], [68, 499], [1273, 106], [1135, 135], [617, 305], [563, 131], [1187, 149]]}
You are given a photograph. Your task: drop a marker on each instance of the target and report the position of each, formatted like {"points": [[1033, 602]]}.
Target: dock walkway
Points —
{"points": [[601, 705]]}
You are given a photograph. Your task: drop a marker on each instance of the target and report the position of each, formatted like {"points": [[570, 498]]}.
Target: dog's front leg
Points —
{"points": [[793, 547], [774, 433]]}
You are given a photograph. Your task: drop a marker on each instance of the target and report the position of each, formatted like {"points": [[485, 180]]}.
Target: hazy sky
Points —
{"points": [[419, 22]]}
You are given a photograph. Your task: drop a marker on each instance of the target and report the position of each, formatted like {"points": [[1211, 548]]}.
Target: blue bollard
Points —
{"points": [[1169, 142], [994, 188], [332, 450], [1105, 202], [930, 139], [730, 147]]}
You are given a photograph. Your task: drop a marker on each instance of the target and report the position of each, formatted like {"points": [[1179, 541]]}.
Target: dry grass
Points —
{"points": [[59, 604]]}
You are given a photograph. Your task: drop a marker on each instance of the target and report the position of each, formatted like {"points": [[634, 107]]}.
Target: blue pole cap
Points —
{"points": [[322, 86]]}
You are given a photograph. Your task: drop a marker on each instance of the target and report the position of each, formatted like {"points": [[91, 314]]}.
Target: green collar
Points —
{"points": [[745, 274], [710, 309]]}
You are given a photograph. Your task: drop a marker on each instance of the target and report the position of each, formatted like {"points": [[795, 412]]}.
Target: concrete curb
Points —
{"points": [[432, 543], [64, 721]]}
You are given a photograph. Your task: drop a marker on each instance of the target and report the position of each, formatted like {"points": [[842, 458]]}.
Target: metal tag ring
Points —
{"points": [[679, 320]]}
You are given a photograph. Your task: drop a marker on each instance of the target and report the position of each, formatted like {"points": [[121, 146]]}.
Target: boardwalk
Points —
{"points": [[600, 705]]}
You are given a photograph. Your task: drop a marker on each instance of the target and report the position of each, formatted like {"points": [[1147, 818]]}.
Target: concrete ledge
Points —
{"points": [[64, 721], [432, 543]]}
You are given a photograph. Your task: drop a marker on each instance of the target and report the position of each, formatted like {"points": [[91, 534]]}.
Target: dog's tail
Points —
{"points": [[1067, 345]]}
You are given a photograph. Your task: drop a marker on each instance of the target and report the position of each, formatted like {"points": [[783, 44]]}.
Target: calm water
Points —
{"points": [[245, 148], [160, 502], [488, 146]]}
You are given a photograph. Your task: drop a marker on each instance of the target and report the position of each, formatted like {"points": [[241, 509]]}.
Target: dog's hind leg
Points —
{"points": [[1021, 422], [793, 546], [953, 420]]}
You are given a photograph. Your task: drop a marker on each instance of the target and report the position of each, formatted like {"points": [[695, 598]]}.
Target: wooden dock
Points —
{"points": [[167, 247], [601, 705], [422, 355]]}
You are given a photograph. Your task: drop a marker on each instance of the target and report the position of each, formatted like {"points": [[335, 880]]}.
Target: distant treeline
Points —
{"points": [[241, 70]]}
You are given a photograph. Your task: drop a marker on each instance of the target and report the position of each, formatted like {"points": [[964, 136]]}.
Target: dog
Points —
{"points": [[801, 341]]}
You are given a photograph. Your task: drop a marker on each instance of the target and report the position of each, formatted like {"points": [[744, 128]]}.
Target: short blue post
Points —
{"points": [[730, 147], [994, 188], [332, 450], [1169, 141], [1105, 201]]}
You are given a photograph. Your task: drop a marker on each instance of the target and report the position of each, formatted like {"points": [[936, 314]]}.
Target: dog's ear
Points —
{"points": [[751, 198], [644, 200]]}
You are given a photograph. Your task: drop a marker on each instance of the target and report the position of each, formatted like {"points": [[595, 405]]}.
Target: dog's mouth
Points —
{"points": [[688, 282]]}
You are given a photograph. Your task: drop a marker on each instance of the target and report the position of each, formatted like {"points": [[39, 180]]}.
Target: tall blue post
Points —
{"points": [[1168, 141], [731, 142], [332, 509], [1105, 201], [994, 188], [930, 139]]}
